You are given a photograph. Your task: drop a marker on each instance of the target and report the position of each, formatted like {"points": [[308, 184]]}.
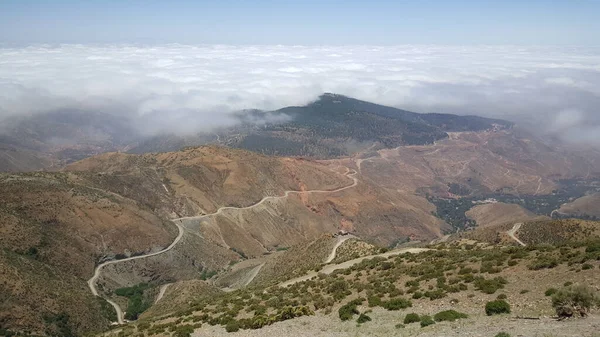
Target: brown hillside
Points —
{"points": [[481, 161], [52, 232], [587, 205], [499, 213]]}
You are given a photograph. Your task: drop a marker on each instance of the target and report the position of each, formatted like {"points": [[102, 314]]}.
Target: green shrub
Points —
{"points": [[502, 334], [232, 326], [543, 262], [497, 307], [449, 315], [412, 318], [572, 299], [348, 310], [417, 295], [397, 304], [435, 294], [363, 319], [426, 321], [489, 286], [568, 283], [501, 297], [550, 291], [374, 301], [184, 331]]}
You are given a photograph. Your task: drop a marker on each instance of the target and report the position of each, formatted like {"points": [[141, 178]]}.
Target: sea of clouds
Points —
{"points": [[188, 88]]}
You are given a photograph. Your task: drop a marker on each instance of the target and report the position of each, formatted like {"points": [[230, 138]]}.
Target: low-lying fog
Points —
{"points": [[190, 88]]}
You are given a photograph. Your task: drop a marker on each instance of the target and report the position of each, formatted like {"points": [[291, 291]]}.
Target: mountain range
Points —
{"points": [[220, 204]]}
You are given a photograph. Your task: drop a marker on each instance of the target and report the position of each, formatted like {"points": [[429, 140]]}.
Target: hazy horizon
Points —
{"points": [[187, 64]]}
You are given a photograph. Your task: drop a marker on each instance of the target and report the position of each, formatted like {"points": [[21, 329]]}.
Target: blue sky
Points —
{"points": [[308, 22]]}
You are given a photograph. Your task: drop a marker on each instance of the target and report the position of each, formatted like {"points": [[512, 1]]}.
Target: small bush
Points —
{"points": [[374, 301], [550, 291], [543, 262], [412, 318], [524, 291], [348, 310], [399, 326], [572, 299], [426, 321], [489, 286], [232, 326], [501, 297], [497, 307], [449, 315], [397, 304], [363, 319], [502, 334]]}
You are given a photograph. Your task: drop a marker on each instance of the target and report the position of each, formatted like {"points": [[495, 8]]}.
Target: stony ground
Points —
{"points": [[384, 324]]}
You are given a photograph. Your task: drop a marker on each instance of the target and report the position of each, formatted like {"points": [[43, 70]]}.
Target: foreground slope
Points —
{"points": [[461, 275]]}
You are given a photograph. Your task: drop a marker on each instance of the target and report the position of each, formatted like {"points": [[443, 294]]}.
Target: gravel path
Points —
{"points": [[513, 231]]}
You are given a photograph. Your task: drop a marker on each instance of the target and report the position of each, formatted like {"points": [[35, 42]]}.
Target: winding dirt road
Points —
{"points": [[285, 195], [341, 240], [513, 231], [97, 272], [92, 282]]}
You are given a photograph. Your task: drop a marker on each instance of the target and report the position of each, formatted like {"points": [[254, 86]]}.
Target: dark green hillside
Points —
{"points": [[325, 127], [332, 126]]}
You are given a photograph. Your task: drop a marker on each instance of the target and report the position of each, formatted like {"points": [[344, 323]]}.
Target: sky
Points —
{"points": [[307, 22], [186, 65]]}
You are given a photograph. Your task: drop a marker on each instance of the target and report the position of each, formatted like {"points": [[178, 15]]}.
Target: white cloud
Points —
{"points": [[193, 87]]}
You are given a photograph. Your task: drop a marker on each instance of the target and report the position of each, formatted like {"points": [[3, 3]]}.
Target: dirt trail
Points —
{"points": [[161, 292], [341, 240], [97, 272], [285, 195], [253, 274], [332, 267], [513, 231]]}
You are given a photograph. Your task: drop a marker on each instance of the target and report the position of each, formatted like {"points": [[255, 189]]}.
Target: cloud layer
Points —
{"points": [[189, 88]]}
